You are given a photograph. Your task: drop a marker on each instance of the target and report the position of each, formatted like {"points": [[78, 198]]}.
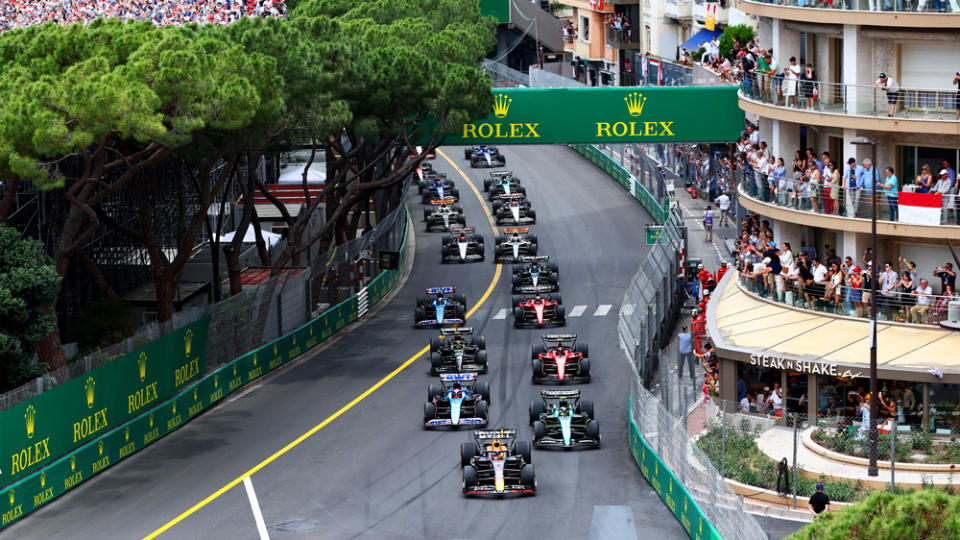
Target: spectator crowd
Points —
{"points": [[21, 13]]}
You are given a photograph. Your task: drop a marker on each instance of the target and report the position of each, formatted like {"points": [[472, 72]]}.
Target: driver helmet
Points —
{"points": [[563, 406], [456, 385]]}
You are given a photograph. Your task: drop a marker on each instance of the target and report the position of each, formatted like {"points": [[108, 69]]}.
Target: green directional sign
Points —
{"points": [[603, 115]]}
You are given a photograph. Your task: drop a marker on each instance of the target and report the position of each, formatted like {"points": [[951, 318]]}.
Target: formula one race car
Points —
{"points": [[464, 245], [560, 359], [502, 183], [441, 306], [458, 400], [444, 214], [485, 156], [514, 209], [536, 274], [513, 244], [537, 310], [561, 420], [437, 186], [496, 463], [458, 351]]}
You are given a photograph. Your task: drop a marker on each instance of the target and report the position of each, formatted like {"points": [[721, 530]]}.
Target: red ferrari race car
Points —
{"points": [[538, 310], [560, 359]]}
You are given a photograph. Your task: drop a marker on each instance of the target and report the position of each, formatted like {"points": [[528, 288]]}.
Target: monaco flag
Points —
{"points": [[920, 208]]}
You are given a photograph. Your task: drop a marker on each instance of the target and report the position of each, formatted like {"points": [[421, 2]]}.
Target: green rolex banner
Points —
{"points": [[50, 425], [603, 115]]}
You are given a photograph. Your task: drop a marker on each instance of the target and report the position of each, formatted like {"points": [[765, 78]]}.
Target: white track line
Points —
{"points": [[502, 314], [577, 311], [602, 310], [255, 506]]}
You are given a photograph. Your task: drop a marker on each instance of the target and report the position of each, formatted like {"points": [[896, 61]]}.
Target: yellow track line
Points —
{"points": [[233, 483]]}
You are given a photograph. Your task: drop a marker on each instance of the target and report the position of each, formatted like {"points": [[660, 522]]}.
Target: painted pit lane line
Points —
{"points": [[365, 394]]}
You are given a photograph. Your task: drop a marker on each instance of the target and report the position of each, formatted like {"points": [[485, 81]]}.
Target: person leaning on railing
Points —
{"points": [[924, 298]]}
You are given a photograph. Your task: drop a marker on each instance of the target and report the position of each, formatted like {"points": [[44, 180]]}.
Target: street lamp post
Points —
{"points": [[872, 468]]}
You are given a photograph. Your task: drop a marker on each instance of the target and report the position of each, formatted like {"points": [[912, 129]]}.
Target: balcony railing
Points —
{"points": [[806, 195], [853, 99], [824, 297], [618, 37], [907, 6]]}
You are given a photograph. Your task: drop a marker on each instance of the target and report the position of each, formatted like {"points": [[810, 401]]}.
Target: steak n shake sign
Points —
{"points": [[803, 366], [601, 115]]}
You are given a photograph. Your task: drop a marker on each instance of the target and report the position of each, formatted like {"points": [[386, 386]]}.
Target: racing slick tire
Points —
{"points": [[482, 411], [460, 299], [593, 429], [418, 315], [480, 251], [536, 409], [560, 315], [503, 161], [539, 430], [456, 193], [444, 253], [446, 239], [422, 301], [516, 280], [426, 213], [467, 451], [582, 348], [517, 269], [461, 312], [429, 412], [486, 185], [554, 269], [436, 362], [483, 388], [515, 299], [533, 249], [420, 186], [537, 349], [499, 239], [585, 407], [469, 477], [584, 368], [467, 153], [523, 449], [497, 252], [553, 297], [537, 368], [435, 344], [528, 476], [532, 214], [533, 239], [482, 360], [496, 207], [517, 316], [434, 391], [479, 342]]}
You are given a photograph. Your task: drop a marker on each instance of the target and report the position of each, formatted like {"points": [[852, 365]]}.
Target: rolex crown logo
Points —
{"points": [[100, 448], [188, 342], [142, 364], [255, 355], [73, 463], [194, 393], [234, 369], [294, 339], [151, 420], [13, 497], [43, 479], [126, 434], [216, 381], [635, 101], [501, 104], [31, 417], [174, 407], [275, 350], [89, 386]]}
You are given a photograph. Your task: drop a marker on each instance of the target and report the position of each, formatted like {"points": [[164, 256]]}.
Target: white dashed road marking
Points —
{"points": [[602, 310], [502, 314], [255, 506], [577, 311]]}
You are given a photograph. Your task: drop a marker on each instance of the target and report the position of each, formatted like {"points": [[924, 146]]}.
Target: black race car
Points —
{"points": [[459, 400], [536, 274], [458, 351], [496, 463], [463, 245], [538, 310], [514, 209], [561, 420], [502, 183], [560, 359], [513, 244], [443, 214]]}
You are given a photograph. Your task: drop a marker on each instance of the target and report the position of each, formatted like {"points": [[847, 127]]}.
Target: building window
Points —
{"points": [[913, 158], [646, 38], [585, 28]]}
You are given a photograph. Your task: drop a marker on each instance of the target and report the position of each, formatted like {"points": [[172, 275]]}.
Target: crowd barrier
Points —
{"points": [[107, 440]]}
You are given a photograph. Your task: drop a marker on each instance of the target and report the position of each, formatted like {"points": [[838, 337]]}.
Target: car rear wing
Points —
{"points": [[458, 230], [454, 377], [463, 330], [512, 196], [558, 338], [515, 230], [438, 202], [531, 290], [534, 258], [444, 290], [560, 394], [489, 434], [501, 174]]}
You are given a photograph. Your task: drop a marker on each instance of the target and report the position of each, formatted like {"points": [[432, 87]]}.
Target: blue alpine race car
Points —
{"points": [[441, 306], [459, 400]]}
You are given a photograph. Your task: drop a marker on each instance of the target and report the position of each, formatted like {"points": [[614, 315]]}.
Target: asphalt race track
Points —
{"points": [[373, 471]]}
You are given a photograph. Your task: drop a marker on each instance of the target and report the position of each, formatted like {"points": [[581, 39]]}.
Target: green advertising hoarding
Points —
{"points": [[498, 9], [50, 425], [603, 115], [665, 483]]}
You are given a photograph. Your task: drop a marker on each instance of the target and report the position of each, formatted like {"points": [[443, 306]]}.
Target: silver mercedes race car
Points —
{"points": [[514, 209], [514, 243], [443, 214]]}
